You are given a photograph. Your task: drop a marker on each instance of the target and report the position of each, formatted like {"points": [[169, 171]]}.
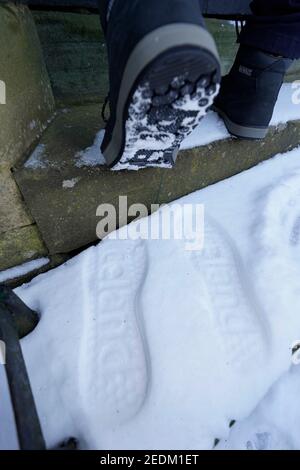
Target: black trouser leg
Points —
{"points": [[274, 28], [102, 4]]}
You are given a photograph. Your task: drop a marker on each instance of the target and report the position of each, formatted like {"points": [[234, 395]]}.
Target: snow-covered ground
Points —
{"points": [[274, 425], [146, 344]]}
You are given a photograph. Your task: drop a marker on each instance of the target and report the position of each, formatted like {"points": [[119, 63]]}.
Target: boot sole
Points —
{"points": [[167, 88], [242, 132]]}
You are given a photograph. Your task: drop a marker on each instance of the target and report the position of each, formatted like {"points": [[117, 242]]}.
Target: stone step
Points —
{"points": [[63, 196]]}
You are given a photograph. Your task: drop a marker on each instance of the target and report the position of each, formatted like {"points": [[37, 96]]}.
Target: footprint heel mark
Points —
{"points": [[279, 226], [277, 238], [114, 373], [235, 312]]}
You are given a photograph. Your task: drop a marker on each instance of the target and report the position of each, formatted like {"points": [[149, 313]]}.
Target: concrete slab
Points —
{"points": [[63, 198]]}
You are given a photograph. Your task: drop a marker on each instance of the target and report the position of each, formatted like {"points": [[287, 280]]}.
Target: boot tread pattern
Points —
{"points": [[167, 104]]}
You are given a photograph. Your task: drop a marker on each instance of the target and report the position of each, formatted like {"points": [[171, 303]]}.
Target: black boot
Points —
{"points": [[164, 74], [249, 92]]}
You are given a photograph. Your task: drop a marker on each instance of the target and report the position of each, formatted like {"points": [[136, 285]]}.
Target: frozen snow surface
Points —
{"points": [[144, 344], [69, 184]]}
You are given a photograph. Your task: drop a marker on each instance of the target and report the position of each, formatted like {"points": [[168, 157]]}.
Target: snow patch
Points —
{"points": [[212, 128], [32, 125], [69, 184], [92, 155], [22, 269], [36, 159]]}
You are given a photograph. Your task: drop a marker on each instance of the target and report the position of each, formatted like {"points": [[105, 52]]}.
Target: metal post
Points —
{"points": [[26, 418]]}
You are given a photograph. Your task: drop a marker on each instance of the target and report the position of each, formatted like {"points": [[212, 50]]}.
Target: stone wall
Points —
{"points": [[75, 53], [26, 106], [29, 99]]}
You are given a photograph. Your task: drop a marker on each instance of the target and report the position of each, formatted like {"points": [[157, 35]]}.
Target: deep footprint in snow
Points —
{"points": [[113, 373], [280, 230], [236, 314]]}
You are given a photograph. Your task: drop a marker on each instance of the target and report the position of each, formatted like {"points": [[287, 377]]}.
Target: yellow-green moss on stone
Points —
{"points": [[13, 212], [20, 245]]}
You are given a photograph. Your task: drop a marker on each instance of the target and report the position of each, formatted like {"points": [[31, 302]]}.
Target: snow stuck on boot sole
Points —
{"points": [[155, 129]]}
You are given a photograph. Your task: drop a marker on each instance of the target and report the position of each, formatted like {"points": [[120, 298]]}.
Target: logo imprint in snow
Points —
{"points": [[234, 305], [113, 355]]}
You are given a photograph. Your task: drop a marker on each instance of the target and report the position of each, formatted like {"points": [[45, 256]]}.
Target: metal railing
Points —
{"points": [[16, 321]]}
